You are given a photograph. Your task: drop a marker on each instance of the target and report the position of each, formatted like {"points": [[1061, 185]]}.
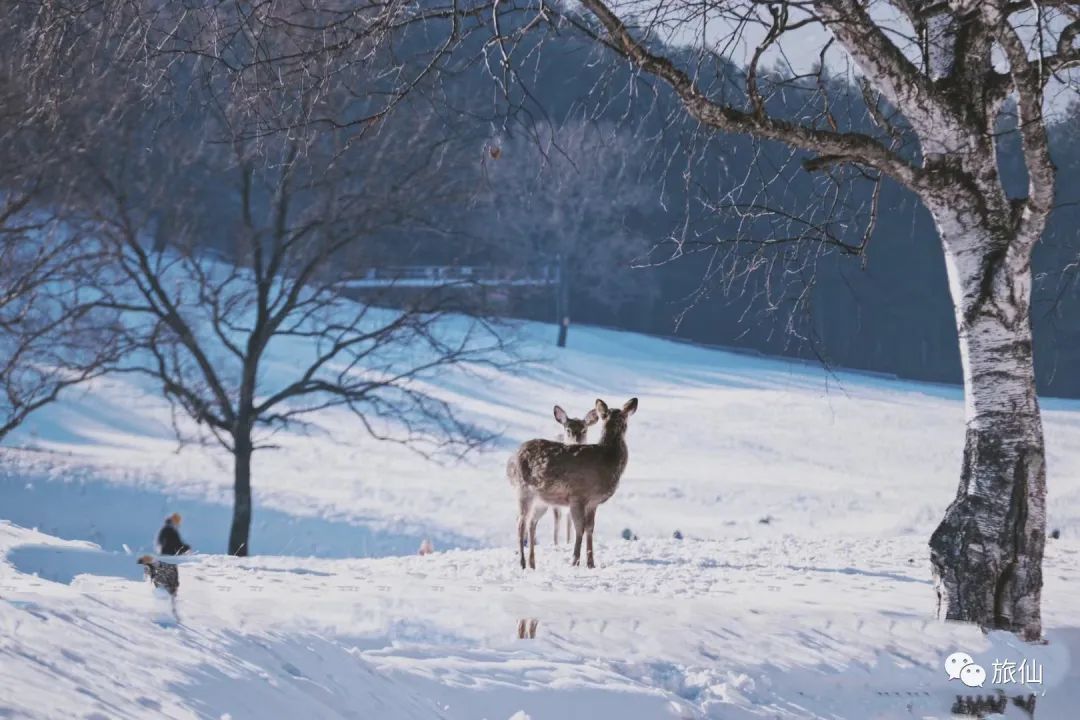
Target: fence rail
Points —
{"points": [[451, 276]]}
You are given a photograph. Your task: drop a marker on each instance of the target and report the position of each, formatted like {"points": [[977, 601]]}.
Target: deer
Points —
{"points": [[547, 473], [574, 433]]}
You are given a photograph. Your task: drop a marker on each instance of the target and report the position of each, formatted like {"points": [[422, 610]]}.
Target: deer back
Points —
{"points": [[559, 473]]}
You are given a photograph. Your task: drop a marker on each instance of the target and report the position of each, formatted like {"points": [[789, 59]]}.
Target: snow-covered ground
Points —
{"points": [[801, 588]]}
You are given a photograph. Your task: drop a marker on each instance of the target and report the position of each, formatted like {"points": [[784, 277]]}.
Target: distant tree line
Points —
{"points": [[883, 308], [886, 310]]}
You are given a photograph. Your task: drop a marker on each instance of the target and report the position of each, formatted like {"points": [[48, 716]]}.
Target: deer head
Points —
{"points": [[615, 420], [576, 430]]}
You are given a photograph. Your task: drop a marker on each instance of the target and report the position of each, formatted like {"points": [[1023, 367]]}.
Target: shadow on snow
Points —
{"points": [[113, 516]]}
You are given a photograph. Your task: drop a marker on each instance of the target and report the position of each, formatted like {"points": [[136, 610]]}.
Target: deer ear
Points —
{"points": [[560, 415], [601, 408], [591, 418], [630, 407]]}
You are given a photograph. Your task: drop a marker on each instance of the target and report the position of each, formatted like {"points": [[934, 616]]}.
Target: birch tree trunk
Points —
{"points": [[987, 551]]}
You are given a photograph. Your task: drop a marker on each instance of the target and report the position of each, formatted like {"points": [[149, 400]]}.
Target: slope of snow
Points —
{"points": [[801, 588]]}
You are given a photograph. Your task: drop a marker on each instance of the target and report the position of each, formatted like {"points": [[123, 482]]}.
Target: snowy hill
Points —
{"points": [[801, 588]]}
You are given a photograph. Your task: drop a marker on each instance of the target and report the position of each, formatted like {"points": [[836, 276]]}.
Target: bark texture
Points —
{"points": [[987, 551]]}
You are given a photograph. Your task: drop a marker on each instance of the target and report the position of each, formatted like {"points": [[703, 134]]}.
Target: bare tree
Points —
{"points": [[296, 230], [53, 331], [566, 201], [236, 170], [935, 78]]}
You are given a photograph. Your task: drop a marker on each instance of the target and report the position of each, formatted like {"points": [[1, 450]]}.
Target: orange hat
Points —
{"points": [[174, 518]]}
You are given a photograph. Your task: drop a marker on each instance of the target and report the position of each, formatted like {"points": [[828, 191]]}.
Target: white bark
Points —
{"points": [[987, 551]]}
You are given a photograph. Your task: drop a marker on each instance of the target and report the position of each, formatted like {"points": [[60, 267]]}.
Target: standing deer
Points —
{"points": [[546, 472], [574, 433]]}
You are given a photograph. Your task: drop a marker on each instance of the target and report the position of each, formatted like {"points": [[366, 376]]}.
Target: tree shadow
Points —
{"points": [[115, 516], [62, 564]]}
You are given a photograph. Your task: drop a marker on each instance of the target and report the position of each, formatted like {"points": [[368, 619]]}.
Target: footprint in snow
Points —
{"points": [[149, 703], [73, 657]]}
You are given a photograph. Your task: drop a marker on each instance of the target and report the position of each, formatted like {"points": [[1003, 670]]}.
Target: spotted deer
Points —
{"points": [[547, 473], [574, 433]]}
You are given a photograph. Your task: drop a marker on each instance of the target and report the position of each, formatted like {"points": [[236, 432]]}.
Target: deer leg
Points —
{"points": [[577, 512], [568, 523], [558, 524], [521, 539], [523, 512], [538, 512], [590, 523], [532, 545]]}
